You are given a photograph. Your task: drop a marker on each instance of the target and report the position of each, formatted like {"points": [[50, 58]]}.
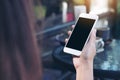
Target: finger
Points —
{"points": [[73, 26], [66, 40], [69, 32]]}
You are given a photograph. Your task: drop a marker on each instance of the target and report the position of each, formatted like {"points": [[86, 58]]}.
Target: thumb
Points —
{"points": [[93, 36]]}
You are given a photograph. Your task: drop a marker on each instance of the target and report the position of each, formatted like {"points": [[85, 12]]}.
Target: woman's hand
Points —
{"points": [[88, 51], [84, 63]]}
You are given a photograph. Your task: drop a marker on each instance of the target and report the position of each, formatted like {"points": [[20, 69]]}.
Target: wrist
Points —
{"points": [[85, 71], [86, 61], [85, 64]]}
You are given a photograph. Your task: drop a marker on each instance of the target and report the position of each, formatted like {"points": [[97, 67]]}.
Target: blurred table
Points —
{"points": [[106, 63]]}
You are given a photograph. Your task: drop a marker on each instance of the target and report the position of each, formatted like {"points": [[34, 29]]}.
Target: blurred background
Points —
{"points": [[55, 17]]}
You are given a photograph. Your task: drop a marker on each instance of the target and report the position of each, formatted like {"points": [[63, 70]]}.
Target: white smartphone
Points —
{"points": [[80, 34]]}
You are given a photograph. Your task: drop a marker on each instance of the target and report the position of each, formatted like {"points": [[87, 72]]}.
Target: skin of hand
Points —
{"points": [[88, 52], [84, 63]]}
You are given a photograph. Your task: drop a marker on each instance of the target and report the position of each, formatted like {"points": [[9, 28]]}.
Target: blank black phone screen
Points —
{"points": [[80, 33]]}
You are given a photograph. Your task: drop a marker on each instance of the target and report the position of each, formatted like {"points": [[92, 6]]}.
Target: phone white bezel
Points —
{"points": [[74, 51]]}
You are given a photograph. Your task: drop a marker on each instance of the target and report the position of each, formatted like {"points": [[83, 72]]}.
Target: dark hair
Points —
{"points": [[19, 55]]}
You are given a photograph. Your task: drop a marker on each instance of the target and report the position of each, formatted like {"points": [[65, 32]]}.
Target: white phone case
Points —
{"points": [[74, 51]]}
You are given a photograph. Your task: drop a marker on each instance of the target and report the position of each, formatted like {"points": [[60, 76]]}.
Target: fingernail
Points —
{"points": [[95, 30], [73, 26]]}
